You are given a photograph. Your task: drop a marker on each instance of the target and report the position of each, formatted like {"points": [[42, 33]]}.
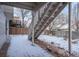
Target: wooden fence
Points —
{"points": [[14, 30]]}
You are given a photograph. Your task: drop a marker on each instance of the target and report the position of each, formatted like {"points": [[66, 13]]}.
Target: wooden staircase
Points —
{"points": [[50, 12]]}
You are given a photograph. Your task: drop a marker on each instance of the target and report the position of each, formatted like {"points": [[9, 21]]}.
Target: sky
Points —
{"points": [[65, 10]]}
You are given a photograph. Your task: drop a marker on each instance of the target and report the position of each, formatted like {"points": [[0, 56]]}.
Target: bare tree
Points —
{"points": [[24, 14], [76, 14]]}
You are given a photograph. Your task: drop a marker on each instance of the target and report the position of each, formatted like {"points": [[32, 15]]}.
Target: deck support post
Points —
{"points": [[33, 19], [70, 32]]}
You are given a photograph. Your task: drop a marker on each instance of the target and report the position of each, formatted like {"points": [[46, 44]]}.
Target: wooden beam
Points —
{"points": [[40, 5], [25, 5], [17, 4]]}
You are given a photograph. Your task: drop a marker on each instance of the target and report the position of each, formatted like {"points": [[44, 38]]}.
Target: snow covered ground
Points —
{"points": [[60, 42], [20, 46]]}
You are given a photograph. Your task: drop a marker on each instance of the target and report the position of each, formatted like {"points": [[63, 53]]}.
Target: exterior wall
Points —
{"points": [[2, 28], [8, 11]]}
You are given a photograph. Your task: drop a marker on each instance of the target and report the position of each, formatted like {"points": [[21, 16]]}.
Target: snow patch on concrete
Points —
{"points": [[60, 42], [21, 47]]}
